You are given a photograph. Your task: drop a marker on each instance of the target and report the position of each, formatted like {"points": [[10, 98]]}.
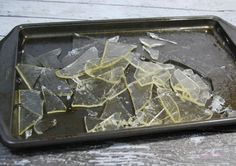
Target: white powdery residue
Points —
{"points": [[128, 146], [22, 162], [197, 139], [217, 104], [28, 133], [68, 97]]}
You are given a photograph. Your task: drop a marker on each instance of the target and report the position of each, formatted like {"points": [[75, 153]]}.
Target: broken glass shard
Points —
{"points": [[191, 112], [117, 89], [26, 119], [50, 59], [53, 104], [139, 95], [110, 72], [169, 104], [31, 101], [57, 85], [116, 50], [150, 43], [154, 54], [29, 73], [80, 41], [91, 122], [157, 120], [161, 79], [43, 125], [155, 36], [112, 76], [91, 93], [76, 68], [191, 88], [113, 106], [111, 123], [75, 54], [29, 59], [114, 39], [133, 59]]}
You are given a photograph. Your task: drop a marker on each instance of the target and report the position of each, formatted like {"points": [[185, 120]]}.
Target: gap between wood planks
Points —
{"points": [[15, 12], [190, 5]]}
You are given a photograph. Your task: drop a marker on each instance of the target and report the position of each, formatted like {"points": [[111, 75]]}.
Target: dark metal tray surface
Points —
{"points": [[204, 43]]}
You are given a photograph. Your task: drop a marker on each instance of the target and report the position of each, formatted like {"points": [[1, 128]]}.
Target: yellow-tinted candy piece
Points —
{"points": [[139, 95], [116, 50]]}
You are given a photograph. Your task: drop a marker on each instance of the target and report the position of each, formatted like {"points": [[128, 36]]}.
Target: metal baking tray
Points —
{"points": [[208, 41]]}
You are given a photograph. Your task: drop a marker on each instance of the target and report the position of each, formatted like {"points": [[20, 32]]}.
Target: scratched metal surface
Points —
{"points": [[195, 148]]}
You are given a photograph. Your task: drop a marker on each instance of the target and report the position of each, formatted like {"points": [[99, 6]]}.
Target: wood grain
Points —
{"points": [[186, 149], [15, 12]]}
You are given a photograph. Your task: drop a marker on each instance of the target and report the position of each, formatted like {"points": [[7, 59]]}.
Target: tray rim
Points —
{"points": [[15, 143]]}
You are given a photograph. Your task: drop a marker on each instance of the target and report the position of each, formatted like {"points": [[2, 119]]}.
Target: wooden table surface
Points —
{"points": [[195, 148]]}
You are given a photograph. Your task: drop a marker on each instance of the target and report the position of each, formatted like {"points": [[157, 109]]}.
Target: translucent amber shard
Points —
{"points": [[42, 125], [72, 55], [112, 76], [114, 39], [31, 101], [161, 79], [150, 43], [154, 111], [111, 71], [169, 104], [91, 122], [155, 36], [57, 85], [191, 87], [133, 59], [116, 49], [154, 54], [53, 104], [140, 95], [76, 68], [26, 119], [110, 123], [150, 67], [143, 78], [29, 74], [29, 59], [50, 59], [117, 88], [91, 93], [113, 106]]}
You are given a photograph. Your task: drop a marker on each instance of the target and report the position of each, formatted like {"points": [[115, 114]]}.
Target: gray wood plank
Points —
{"points": [[7, 23], [199, 5], [195, 149], [37, 11]]}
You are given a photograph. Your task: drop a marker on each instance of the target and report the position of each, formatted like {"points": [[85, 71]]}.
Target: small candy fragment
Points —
{"points": [[91, 93], [139, 95], [29, 73], [113, 106], [57, 85], [155, 36], [42, 125], [76, 68], [53, 104], [169, 104], [150, 43], [154, 54], [115, 50]]}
